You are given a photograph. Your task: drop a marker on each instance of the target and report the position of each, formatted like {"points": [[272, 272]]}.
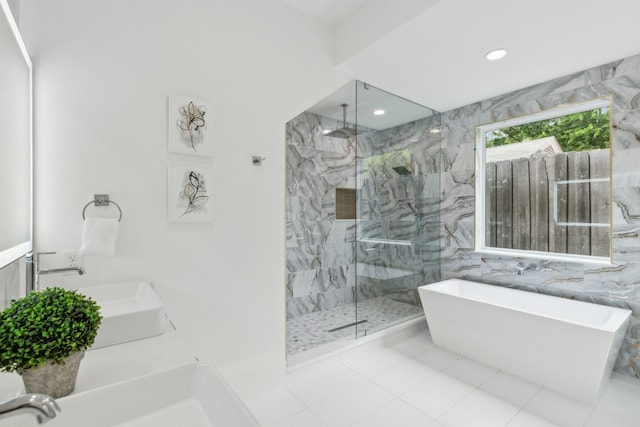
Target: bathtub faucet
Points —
{"points": [[43, 407], [521, 268]]}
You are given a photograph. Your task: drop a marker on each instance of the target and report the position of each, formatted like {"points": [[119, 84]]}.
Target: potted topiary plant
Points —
{"points": [[43, 336]]}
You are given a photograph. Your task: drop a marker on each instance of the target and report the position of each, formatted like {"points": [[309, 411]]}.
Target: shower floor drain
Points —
{"points": [[348, 325]]}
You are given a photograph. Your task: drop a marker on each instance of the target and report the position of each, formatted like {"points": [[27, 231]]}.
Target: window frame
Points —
{"points": [[480, 181]]}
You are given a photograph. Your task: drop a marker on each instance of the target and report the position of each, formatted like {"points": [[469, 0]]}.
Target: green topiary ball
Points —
{"points": [[46, 325]]}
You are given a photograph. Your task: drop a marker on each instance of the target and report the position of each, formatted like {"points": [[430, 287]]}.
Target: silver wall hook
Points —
{"points": [[257, 160]]}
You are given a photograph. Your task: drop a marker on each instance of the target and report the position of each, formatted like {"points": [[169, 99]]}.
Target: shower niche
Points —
{"points": [[363, 215]]}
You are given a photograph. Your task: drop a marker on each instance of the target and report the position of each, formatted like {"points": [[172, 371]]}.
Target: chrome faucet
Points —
{"points": [[34, 259], [43, 407], [521, 268]]}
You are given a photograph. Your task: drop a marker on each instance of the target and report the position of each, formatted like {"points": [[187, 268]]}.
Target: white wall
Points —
{"points": [[103, 70]]}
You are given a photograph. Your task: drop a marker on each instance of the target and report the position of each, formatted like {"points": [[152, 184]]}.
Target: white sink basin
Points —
{"points": [[193, 395], [130, 311]]}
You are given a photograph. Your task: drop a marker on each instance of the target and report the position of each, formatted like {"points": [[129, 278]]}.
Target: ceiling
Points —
{"points": [[433, 54], [330, 12], [369, 99]]}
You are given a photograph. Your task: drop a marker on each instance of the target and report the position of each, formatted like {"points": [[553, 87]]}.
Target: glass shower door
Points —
{"points": [[398, 185]]}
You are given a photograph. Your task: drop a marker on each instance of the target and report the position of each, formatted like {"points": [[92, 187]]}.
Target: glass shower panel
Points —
{"points": [[362, 215], [398, 207], [321, 222]]}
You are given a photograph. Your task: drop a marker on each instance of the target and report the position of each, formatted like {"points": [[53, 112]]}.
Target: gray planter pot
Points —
{"points": [[53, 379]]}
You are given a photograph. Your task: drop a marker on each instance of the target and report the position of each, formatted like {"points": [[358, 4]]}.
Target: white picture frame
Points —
{"points": [[188, 193], [189, 126]]}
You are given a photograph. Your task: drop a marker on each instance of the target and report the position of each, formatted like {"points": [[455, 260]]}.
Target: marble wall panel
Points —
{"points": [[458, 147], [628, 202], [331, 279], [429, 235], [459, 263], [300, 183], [616, 284], [308, 209], [302, 258], [320, 250], [626, 127], [426, 157], [300, 283], [403, 229], [338, 232], [534, 272], [321, 253], [300, 233], [624, 163], [403, 289], [338, 255], [427, 191], [300, 306]]}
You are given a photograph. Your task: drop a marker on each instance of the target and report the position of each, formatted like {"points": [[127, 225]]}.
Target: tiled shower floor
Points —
{"points": [[311, 330]]}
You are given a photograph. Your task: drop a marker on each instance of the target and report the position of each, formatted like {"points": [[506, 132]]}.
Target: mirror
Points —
{"points": [[543, 184], [15, 142]]}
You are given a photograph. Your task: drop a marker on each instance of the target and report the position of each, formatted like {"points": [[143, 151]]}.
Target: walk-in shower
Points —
{"points": [[363, 214]]}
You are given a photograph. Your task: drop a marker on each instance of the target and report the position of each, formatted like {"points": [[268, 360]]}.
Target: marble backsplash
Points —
{"points": [[617, 284], [398, 229]]}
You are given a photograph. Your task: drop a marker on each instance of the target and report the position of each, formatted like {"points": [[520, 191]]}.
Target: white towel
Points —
{"points": [[99, 236]]}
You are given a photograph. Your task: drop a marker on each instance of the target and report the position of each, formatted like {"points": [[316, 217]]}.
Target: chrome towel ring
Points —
{"points": [[101, 200]]}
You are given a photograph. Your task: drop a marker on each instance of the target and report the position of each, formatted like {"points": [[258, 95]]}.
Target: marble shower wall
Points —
{"points": [[399, 225], [320, 249], [617, 284], [321, 253]]}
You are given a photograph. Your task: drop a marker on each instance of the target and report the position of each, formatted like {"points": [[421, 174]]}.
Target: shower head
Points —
{"points": [[344, 132], [402, 170]]}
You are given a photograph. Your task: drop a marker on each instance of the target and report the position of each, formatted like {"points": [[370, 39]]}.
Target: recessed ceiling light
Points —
{"points": [[378, 112], [496, 54]]}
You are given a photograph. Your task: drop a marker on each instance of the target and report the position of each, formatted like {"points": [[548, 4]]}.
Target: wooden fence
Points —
{"points": [[547, 203]]}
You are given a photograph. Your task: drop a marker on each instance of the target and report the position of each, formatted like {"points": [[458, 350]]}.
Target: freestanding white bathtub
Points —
{"points": [[565, 345]]}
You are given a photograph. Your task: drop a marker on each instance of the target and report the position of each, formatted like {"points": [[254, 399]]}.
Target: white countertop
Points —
{"points": [[115, 363]]}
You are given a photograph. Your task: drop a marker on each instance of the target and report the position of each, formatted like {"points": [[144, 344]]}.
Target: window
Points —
{"points": [[543, 186]]}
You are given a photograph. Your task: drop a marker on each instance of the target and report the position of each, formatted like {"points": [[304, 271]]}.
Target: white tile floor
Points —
{"points": [[412, 383]]}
